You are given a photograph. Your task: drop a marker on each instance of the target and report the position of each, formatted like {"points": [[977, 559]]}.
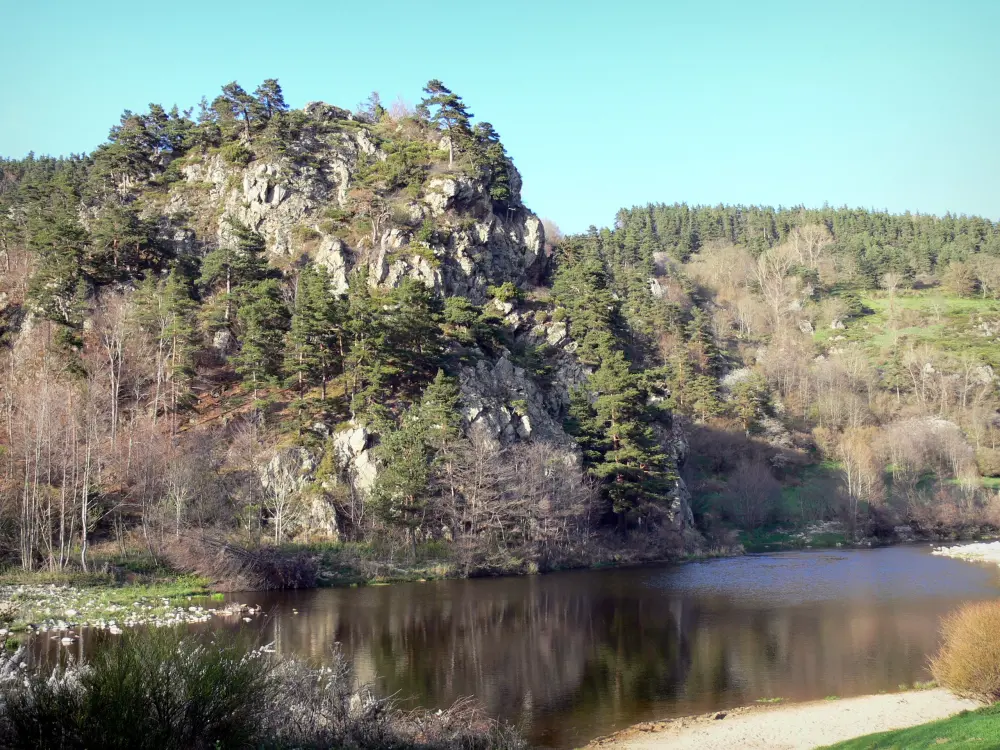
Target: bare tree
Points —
{"points": [[771, 274], [281, 481], [859, 456], [809, 243], [752, 492]]}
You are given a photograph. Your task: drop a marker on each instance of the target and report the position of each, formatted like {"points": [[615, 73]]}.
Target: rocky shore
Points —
{"points": [[977, 552], [41, 608]]}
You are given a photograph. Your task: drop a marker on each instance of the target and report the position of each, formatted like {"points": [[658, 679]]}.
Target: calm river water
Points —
{"points": [[579, 654]]}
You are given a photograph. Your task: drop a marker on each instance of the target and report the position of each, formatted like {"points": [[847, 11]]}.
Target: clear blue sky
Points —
{"points": [[881, 103]]}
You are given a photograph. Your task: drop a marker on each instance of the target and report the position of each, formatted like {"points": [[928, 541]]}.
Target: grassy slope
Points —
{"points": [[945, 322], [979, 729]]}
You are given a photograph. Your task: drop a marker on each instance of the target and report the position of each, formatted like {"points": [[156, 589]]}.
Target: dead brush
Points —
{"points": [[968, 663]]}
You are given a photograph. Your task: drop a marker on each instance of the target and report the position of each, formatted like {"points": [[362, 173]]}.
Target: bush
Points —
{"points": [[151, 689], [237, 154], [506, 292], [968, 663], [233, 568], [161, 689], [988, 462]]}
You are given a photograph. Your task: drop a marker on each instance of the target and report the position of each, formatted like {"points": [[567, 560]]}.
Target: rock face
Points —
{"points": [[292, 471], [502, 404], [353, 448], [285, 202]]}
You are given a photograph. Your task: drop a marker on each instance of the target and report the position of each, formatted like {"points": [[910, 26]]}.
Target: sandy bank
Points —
{"points": [[793, 727]]}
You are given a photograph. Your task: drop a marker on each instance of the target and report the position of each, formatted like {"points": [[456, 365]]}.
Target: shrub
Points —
{"points": [[151, 689], [162, 689], [506, 292], [233, 568], [968, 663], [988, 462], [237, 154]]}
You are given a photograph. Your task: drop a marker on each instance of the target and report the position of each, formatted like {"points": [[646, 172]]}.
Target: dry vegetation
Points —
{"points": [[874, 382], [969, 661]]}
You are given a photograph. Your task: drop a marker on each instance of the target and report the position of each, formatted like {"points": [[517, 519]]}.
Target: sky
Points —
{"points": [[886, 104]]}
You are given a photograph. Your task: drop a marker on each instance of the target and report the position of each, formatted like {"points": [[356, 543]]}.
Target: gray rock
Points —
{"points": [[224, 342], [353, 448]]}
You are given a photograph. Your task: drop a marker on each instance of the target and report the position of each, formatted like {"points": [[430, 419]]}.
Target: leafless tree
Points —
{"points": [[809, 243], [281, 497], [752, 492]]}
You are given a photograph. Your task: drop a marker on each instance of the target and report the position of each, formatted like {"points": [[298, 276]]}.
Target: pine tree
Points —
{"points": [[414, 340], [613, 424], [237, 109], [450, 111], [179, 334], [749, 401], [314, 334], [269, 100], [582, 287], [120, 243], [58, 242], [491, 157], [263, 318], [410, 452], [235, 264]]}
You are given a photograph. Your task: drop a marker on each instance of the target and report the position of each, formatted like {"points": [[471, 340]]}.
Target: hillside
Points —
{"points": [[344, 333], [847, 365], [312, 326]]}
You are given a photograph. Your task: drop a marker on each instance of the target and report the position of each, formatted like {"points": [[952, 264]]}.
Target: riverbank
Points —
{"points": [[142, 590], [833, 534], [793, 727], [988, 552], [65, 601]]}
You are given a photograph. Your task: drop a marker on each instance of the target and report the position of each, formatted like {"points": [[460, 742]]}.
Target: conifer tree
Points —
{"points": [[119, 240], [269, 100], [613, 424], [749, 401], [263, 318], [447, 108], [314, 332], [179, 333], [236, 109], [234, 264], [410, 451]]}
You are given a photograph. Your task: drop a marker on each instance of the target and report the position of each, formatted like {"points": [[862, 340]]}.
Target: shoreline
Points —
{"points": [[793, 726], [171, 594]]}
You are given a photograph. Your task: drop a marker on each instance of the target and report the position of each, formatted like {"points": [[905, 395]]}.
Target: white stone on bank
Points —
{"points": [[977, 552]]}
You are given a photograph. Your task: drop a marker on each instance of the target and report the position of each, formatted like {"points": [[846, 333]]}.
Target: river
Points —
{"points": [[579, 654]]}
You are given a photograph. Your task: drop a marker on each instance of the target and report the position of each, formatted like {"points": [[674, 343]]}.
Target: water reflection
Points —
{"points": [[576, 655]]}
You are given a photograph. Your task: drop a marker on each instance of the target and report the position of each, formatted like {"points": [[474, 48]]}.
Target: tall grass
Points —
{"points": [[161, 689]]}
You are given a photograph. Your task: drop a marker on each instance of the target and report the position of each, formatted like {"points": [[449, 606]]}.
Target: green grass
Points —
{"points": [[44, 597], [933, 317], [968, 729], [926, 301], [775, 540]]}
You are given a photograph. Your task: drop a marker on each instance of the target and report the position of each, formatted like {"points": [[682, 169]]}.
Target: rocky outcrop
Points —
{"points": [[354, 456], [501, 404], [285, 200], [446, 233]]}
